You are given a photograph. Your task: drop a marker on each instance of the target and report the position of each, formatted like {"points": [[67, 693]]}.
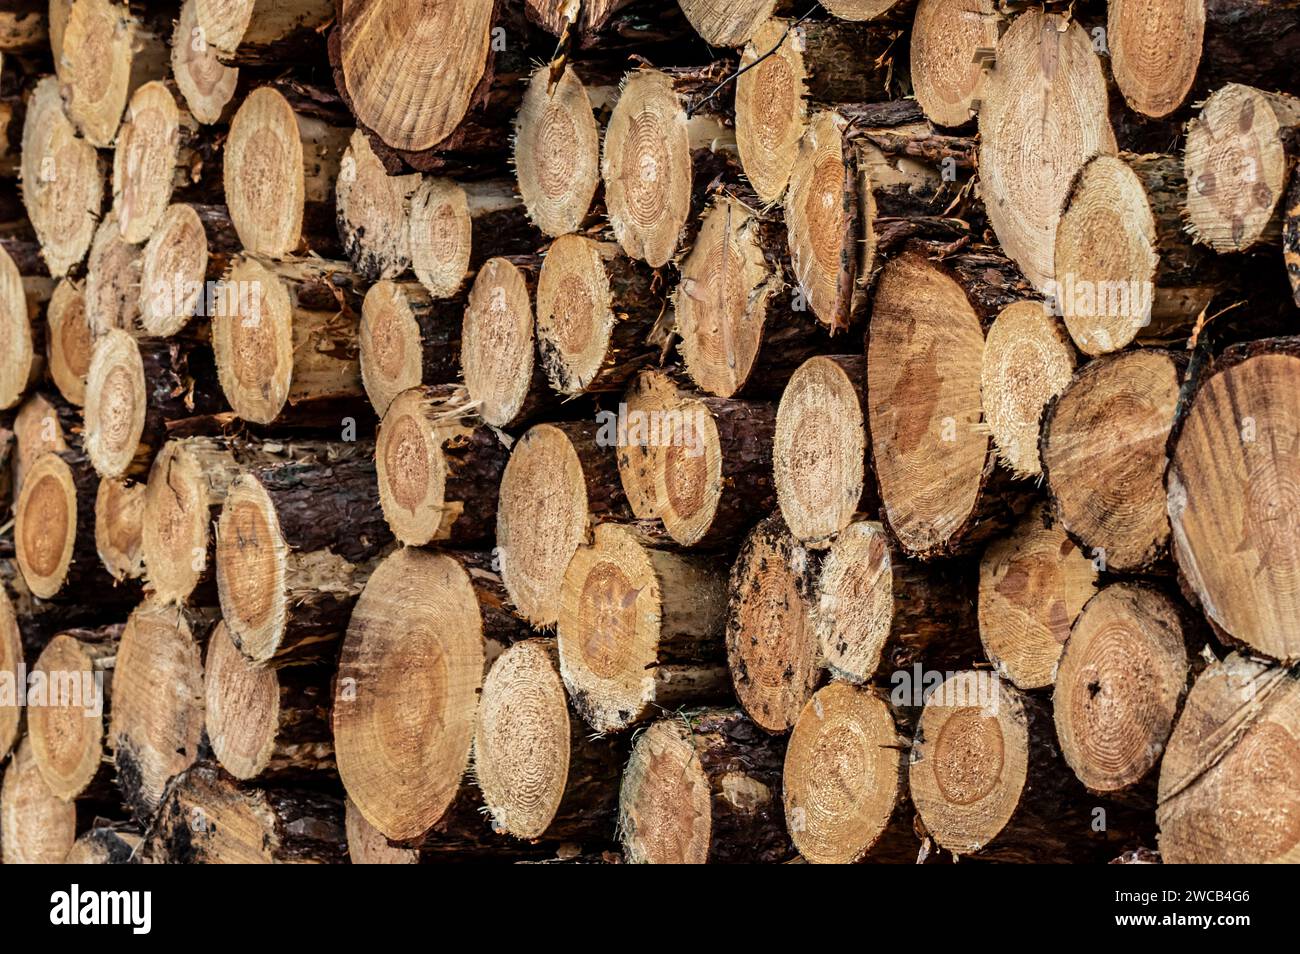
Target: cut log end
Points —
{"points": [[821, 217], [175, 530], [45, 527], [688, 479], [771, 113], [69, 343], [664, 808], [441, 233], [173, 269], [372, 209], [207, 84], [242, 707], [1155, 50], [367, 844], [112, 279], [265, 185], [252, 340], [948, 43], [497, 351], [116, 403], [145, 159], [724, 23], [557, 152], [638, 467], [107, 53], [18, 359], [855, 602], [119, 527], [252, 569], [36, 826], [67, 732], [11, 661], [390, 342]]}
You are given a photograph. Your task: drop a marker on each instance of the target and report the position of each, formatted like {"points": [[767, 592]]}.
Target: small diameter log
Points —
{"points": [[180, 267], [69, 701], [406, 695], [207, 84], [1119, 685], [1028, 360], [456, 227], [640, 629], [281, 162], [648, 397], [656, 157], [266, 723], [1230, 774], [439, 469], [772, 648], [1232, 499], [713, 468], [62, 180], [877, 614], [107, 843], [559, 481], [206, 819], [68, 340], [497, 356], [1240, 150], [152, 155], [819, 457], [21, 361], [1103, 453], [367, 844], [284, 334], [596, 312], [407, 338], [43, 423], [157, 724], [11, 671], [1045, 66], [542, 773], [295, 541], [119, 528], [113, 281], [727, 23], [703, 786], [107, 54], [373, 210], [264, 32], [987, 779], [557, 149], [36, 826], [1032, 585], [950, 44], [864, 813], [941, 489]]}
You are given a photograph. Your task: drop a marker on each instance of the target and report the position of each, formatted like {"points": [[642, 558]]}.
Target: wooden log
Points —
{"points": [[1032, 585], [1232, 462], [11, 669], [560, 480], [407, 338], [153, 155], [1236, 204], [877, 614], [727, 24], [869, 9], [863, 815], [266, 724], [207, 84], [1103, 453], [43, 423], [542, 773], [22, 361], [119, 529], [206, 819], [596, 314], [180, 267], [156, 730], [367, 844], [373, 209], [680, 801], [265, 33], [439, 469], [68, 340], [772, 648], [1045, 65], [112, 280], [1227, 779], [36, 826], [497, 353], [284, 334], [640, 629], [281, 162], [649, 397], [559, 17], [941, 489], [397, 670], [106, 843], [949, 43], [295, 544]]}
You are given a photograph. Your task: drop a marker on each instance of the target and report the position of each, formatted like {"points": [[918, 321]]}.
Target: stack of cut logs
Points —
{"points": [[644, 431]]}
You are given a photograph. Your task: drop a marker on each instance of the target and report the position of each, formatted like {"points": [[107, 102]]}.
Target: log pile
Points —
{"points": [[548, 431]]}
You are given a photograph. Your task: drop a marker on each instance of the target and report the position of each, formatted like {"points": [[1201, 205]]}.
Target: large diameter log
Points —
{"points": [[151, 156], [876, 613], [281, 162], [863, 814], [948, 43], [941, 488], [439, 469], [295, 541], [640, 629], [156, 728], [21, 361], [1240, 151], [107, 843], [703, 787], [263, 32], [407, 690], [1045, 66], [560, 479], [62, 180], [36, 826], [266, 723], [119, 528], [1231, 770], [373, 210], [407, 338], [206, 819], [1234, 462], [207, 84], [1032, 585], [542, 773], [1103, 453], [11, 668], [497, 353], [772, 648], [68, 340], [1119, 685]]}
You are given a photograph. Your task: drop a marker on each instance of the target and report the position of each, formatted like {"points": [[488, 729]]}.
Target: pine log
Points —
{"points": [[207, 84], [950, 44], [542, 773], [407, 338], [373, 210], [295, 545], [837, 817], [119, 529], [11, 669], [727, 23], [43, 423], [1103, 453], [154, 153], [21, 334], [265, 32], [650, 397], [68, 340], [888, 10], [181, 266], [113, 270], [559, 481], [703, 787], [1032, 585], [36, 826], [439, 469], [497, 354], [106, 843]]}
